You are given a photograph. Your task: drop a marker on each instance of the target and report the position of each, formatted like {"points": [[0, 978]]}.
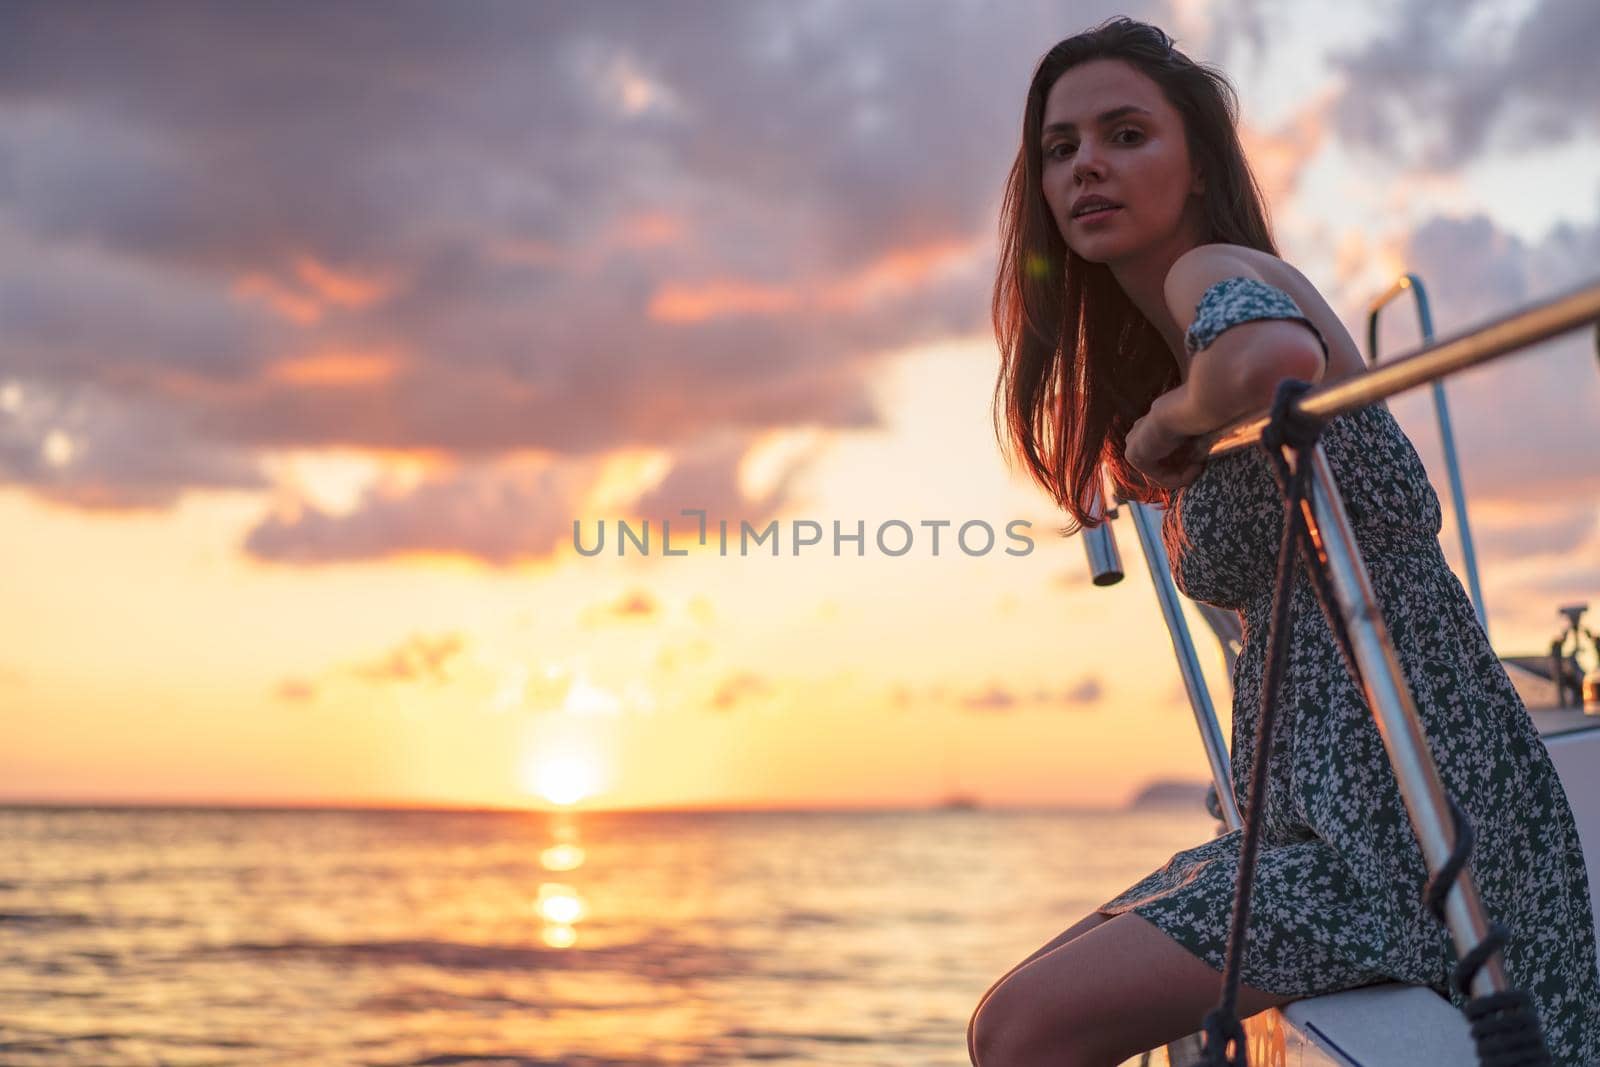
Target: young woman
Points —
{"points": [[1140, 304]]}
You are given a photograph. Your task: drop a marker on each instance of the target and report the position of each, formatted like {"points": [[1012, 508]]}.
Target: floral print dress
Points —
{"points": [[1337, 900]]}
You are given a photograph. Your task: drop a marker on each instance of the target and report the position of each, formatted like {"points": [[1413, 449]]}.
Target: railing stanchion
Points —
{"points": [[1147, 521], [1395, 712], [1447, 437]]}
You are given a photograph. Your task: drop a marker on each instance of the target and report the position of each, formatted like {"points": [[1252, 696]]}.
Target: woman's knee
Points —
{"points": [[1021, 1024], [1082, 926]]}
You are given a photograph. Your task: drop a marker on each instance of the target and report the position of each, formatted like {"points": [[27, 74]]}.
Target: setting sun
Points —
{"points": [[564, 775]]}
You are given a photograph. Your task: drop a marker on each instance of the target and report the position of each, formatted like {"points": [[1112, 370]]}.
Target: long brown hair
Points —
{"points": [[1079, 361]]}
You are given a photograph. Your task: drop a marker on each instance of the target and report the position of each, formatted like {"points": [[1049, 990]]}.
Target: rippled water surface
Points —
{"points": [[203, 936]]}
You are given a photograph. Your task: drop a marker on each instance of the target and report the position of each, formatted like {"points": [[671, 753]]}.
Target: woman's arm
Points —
{"points": [[1239, 372], [1234, 373]]}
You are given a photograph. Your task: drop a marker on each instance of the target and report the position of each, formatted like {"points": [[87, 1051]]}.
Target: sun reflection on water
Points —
{"points": [[559, 904], [561, 858], [560, 936]]}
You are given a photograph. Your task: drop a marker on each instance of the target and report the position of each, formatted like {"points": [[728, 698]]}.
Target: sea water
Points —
{"points": [[231, 936]]}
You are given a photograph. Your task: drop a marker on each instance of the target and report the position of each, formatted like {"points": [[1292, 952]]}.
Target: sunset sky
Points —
{"points": [[321, 324]]}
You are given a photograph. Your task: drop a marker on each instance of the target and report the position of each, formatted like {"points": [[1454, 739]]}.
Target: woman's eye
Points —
{"points": [[1126, 135]]}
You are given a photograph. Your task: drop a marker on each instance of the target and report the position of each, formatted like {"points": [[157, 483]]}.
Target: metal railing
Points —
{"points": [[1496, 338], [1441, 410], [1105, 568]]}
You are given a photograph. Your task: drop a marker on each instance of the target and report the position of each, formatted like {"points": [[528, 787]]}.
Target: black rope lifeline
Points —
{"points": [[1505, 1027], [1222, 1028]]}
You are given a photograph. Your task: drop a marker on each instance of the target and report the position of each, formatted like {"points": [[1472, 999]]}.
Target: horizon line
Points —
{"points": [[369, 805]]}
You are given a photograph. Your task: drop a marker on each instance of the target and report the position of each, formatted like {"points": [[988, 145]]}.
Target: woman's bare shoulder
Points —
{"points": [[1205, 265], [1265, 265], [1201, 267], [1344, 358], [1212, 260]]}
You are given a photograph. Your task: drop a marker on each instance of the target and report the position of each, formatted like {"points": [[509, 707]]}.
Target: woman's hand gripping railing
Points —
{"points": [[1504, 1025], [1491, 340]]}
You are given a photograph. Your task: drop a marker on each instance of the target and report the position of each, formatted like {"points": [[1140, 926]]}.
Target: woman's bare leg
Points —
{"points": [[1082, 926], [1120, 988]]}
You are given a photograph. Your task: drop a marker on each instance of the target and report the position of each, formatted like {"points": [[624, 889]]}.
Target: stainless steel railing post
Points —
{"points": [[1105, 562], [1396, 715], [1441, 410], [1147, 521]]}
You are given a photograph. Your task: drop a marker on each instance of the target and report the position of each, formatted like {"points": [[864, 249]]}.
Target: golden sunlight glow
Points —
{"points": [[562, 775]]}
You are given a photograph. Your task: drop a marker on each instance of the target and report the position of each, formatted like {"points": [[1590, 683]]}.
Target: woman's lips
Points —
{"points": [[1093, 217]]}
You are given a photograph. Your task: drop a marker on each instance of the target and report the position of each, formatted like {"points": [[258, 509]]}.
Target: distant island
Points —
{"points": [[958, 801], [1168, 793]]}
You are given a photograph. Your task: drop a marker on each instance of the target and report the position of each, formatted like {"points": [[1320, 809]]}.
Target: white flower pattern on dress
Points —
{"points": [[1337, 899], [1235, 300]]}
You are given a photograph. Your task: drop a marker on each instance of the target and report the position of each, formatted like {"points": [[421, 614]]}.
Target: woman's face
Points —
{"points": [[1108, 131]]}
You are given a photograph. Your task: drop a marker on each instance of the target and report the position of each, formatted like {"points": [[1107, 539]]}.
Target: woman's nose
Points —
{"points": [[1086, 161]]}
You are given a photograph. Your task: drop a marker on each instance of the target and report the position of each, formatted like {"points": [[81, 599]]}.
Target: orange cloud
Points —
{"points": [[296, 307], [896, 273], [739, 688], [634, 605], [1365, 266], [295, 691], [718, 299], [649, 229], [315, 288], [893, 274], [1279, 156], [341, 288], [418, 657], [335, 367]]}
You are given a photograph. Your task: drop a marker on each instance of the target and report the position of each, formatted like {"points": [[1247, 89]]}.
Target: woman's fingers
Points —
{"points": [[1173, 473], [1167, 459]]}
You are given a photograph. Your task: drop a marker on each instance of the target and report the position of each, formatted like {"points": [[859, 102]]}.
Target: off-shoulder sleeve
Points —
{"points": [[1235, 300]]}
